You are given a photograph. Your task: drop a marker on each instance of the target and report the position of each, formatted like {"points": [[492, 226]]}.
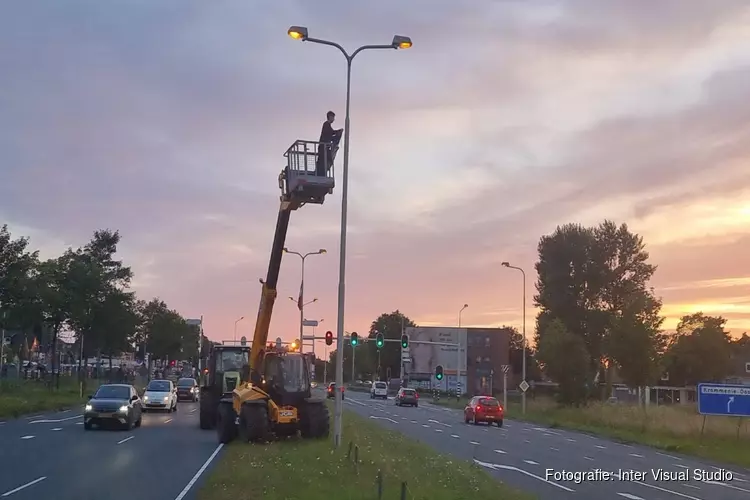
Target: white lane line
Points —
{"points": [[571, 440], [198, 474], [474, 443], [554, 449], [65, 411], [438, 430], [125, 440], [23, 486], [2, 423], [601, 447], [531, 462], [526, 441], [636, 455], [79, 423], [383, 418], [659, 488], [629, 496], [425, 426], [193, 410], [500, 452], [456, 436], [589, 458], [56, 429], [27, 437], [54, 421], [689, 486], [404, 418], [414, 422], [168, 420], [527, 473], [668, 456], [725, 485]]}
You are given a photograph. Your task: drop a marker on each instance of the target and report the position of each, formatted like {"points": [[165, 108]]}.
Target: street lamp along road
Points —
{"points": [[523, 369], [398, 42], [301, 305]]}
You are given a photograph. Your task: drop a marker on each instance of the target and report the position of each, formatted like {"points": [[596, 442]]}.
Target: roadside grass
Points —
{"points": [[311, 469], [673, 428], [21, 397]]}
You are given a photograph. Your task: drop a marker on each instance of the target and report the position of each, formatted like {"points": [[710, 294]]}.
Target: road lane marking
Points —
{"points": [[383, 418], [636, 455], [200, 471], [500, 452], [168, 420], [193, 410], [125, 440], [27, 437], [554, 449], [601, 447], [629, 496], [589, 458], [65, 411], [668, 456], [79, 423], [659, 488], [56, 429], [725, 485], [690, 486], [456, 436], [531, 462], [474, 443], [438, 430], [526, 441], [425, 426], [414, 422], [571, 440], [527, 473], [54, 421], [23, 486]]}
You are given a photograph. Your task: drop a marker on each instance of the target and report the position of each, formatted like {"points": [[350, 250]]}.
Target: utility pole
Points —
{"points": [[353, 351], [2, 342]]}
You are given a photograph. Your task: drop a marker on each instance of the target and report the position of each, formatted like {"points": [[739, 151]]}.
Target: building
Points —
{"points": [[483, 352]]}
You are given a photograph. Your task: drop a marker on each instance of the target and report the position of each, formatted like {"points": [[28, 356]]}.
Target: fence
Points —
{"points": [[380, 480]]}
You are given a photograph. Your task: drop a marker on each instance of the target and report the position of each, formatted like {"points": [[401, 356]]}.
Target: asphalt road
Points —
{"points": [[522, 454], [51, 456]]}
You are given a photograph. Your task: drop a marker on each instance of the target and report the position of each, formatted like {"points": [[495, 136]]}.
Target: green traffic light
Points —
{"points": [[439, 376], [380, 343]]}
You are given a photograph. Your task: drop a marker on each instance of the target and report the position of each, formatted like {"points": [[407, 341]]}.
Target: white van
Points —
{"points": [[379, 390]]}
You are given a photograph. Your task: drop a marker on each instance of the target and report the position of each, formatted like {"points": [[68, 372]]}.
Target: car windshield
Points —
{"points": [[489, 402], [380, 385], [158, 386], [231, 360], [186, 382], [112, 392]]}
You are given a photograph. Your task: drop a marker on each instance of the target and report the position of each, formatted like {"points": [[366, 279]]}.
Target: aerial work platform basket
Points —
{"points": [[308, 176]]}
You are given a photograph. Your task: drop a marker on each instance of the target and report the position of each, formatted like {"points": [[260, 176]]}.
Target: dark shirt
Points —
{"points": [[327, 133]]}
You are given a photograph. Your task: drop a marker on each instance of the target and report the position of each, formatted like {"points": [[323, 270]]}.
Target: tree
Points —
{"points": [[595, 281], [117, 319], [162, 331], [700, 351], [515, 355], [392, 326], [565, 360]]}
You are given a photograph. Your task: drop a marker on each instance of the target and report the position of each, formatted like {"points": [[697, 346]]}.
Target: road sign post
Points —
{"points": [[505, 369]]}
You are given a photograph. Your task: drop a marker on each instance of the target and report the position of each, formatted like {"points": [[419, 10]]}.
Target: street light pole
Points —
{"points": [[235, 327], [523, 362], [399, 42], [458, 365], [302, 290], [459, 314]]}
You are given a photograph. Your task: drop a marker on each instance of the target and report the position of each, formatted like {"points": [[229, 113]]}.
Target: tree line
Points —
{"points": [[85, 294], [599, 318]]}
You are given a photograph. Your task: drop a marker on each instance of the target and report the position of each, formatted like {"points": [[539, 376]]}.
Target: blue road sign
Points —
{"points": [[724, 399]]}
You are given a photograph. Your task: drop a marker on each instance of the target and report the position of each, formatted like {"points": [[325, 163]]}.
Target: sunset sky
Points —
{"points": [[168, 119]]}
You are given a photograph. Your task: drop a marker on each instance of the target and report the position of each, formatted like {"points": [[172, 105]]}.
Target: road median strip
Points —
{"points": [[372, 458]]}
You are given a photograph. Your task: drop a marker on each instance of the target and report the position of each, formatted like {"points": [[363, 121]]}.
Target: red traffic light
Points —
{"points": [[172, 362], [329, 338]]}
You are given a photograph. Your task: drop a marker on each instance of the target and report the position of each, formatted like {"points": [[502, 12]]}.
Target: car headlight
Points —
{"points": [[145, 398], [124, 409], [88, 408], [166, 398]]}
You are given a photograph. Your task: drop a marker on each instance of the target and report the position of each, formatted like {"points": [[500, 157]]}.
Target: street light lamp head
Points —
{"points": [[298, 32], [399, 42], [505, 264], [466, 305], [285, 250], [322, 250]]}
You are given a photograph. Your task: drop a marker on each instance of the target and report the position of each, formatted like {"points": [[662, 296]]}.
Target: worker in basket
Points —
{"points": [[329, 144]]}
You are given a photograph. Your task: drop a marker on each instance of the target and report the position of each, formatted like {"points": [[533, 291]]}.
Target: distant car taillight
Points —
{"points": [[479, 408], [416, 395]]}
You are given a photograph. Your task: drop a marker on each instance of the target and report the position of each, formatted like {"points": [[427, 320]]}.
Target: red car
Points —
{"points": [[331, 391], [484, 409]]}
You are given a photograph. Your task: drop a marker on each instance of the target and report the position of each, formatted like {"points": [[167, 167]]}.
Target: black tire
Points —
{"points": [[206, 414], [87, 426], [416, 405], [499, 423], [315, 421], [226, 429], [254, 424]]}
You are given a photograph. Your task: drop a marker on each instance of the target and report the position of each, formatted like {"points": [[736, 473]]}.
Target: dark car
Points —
{"points": [[187, 389], [114, 404], [406, 397], [331, 391], [484, 409]]}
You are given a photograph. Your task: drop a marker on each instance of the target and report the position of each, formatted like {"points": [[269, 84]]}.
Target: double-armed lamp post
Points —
{"points": [[398, 42], [301, 304], [523, 365]]}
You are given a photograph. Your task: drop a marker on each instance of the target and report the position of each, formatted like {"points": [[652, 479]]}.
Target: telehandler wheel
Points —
{"points": [[315, 421], [226, 427], [254, 425], [207, 414]]}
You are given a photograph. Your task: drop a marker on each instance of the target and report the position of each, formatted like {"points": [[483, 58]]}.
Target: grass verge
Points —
{"points": [[21, 397], [671, 428], [311, 469]]}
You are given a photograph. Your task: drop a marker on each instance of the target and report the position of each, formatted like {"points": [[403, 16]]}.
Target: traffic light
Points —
{"points": [[294, 345], [379, 340], [354, 339], [329, 337], [404, 341], [439, 372]]}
